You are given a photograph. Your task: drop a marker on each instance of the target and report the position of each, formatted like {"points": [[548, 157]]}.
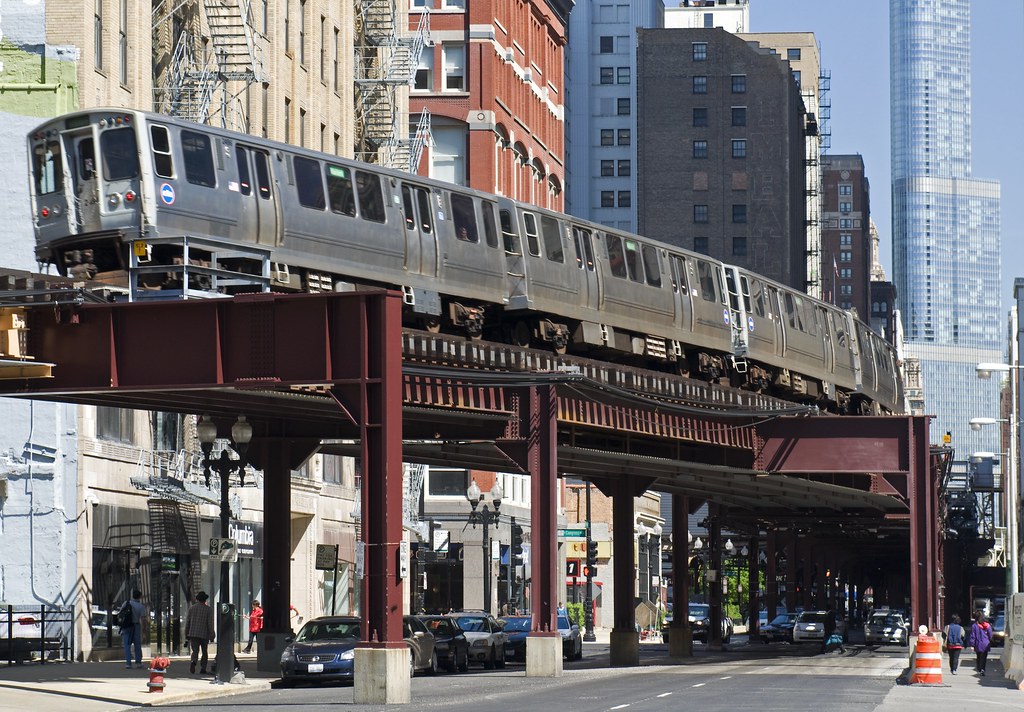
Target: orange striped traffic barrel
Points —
{"points": [[927, 661]]}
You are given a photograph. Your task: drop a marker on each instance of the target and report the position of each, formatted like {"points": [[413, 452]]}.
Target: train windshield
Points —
{"points": [[120, 154], [48, 168]]}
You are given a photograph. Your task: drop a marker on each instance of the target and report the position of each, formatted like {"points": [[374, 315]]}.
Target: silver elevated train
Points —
{"points": [[107, 184]]}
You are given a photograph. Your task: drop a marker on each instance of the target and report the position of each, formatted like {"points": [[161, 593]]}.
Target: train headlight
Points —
{"points": [[113, 199]]}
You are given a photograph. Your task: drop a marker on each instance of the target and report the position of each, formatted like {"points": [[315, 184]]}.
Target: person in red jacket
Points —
{"points": [[255, 624]]}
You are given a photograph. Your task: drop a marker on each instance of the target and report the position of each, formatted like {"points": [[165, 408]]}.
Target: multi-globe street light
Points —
{"points": [[486, 517]]}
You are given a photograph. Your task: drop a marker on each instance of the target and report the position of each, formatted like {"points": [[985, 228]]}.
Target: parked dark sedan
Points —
{"points": [[700, 620], [780, 629], [323, 650], [518, 627], [450, 642], [999, 630]]}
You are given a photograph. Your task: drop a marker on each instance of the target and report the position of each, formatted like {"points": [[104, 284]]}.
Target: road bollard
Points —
{"points": [[157, 669]]}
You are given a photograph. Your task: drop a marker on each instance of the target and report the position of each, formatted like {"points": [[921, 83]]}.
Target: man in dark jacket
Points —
{"points": [[200, 631], [134, 614]]}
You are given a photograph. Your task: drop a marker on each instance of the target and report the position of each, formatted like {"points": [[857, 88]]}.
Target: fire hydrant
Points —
{"points": [[156, 673]]}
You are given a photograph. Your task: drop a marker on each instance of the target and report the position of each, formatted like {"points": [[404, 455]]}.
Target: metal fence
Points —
{"points": [[43, 634]]}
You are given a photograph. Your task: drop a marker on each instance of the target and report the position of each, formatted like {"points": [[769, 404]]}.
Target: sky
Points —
{"points": [[853, 42]]}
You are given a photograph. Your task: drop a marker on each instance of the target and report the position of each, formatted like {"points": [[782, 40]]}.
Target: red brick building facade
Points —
{"points": [[492, 78]]}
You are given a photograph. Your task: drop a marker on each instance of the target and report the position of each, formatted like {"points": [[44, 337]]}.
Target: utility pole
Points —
{"points": [[588, 599]]}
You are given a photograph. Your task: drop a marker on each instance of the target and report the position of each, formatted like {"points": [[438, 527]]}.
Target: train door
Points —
{"points": [[85, 180], [825, 328], [516, 278], [739, 308], [583, 242], [257, 219], [775, 305], [681, 293]]}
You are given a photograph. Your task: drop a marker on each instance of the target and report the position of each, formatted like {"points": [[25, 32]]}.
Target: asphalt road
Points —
{"points": [[767, 678]]}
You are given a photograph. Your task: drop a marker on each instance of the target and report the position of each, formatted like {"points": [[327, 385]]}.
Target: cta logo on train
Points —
{"points": [[110, 185]]}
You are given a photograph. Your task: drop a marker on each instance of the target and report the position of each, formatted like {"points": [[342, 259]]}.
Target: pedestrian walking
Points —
{"points": [[830, 638], [129, 618], [980, 639], [953, 642], [294, 617], [200, 631], [255, 624]]}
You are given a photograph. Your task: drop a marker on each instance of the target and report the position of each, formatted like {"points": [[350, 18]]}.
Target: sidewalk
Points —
{"points": [[966, 691], [56, 687]]}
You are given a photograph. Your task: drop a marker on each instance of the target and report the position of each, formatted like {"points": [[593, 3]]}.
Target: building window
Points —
{"points": [[425, 70], [845, 238], [796, 76], [739, 247], [607, 137], [302, 127], [625, 137], [700, 51], [454, 66], [337, 53], [625, 199], [846, 256], [739, 213], [625, 168], [622, 107], [739, 83], [845, 224], [607, 75], [846, 273], [302, 32], [739, 116], [793, 55], [622, 75], [700, 116], [607, 45], [333, 469], [323, 50], [700, 213], [739, 148], [97, 30], [845, 207], [700, 85], [607, 198], [607, 168], [845, 189], [846, 289], [117, 424], [700, 149], [122, 41], [447, 482], [287, 120], [700, 244]]}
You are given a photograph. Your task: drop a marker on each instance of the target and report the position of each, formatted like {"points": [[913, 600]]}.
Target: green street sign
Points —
{"points": [[572, 532]]}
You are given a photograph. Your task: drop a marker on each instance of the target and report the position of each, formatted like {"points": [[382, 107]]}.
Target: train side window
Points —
{"points": [[464, 217], [262, 174], [679, 275], [588, 249], [423, 202], [757, 297], [732, 288], [552, 239], [340, 191], [508, 233], [87, 159], [577, 242], [309, 182], [120, 154], [793, 311], [532, 237], [490, 229], [242, 159], [371, 197], [409, 208], [160, 140], [636, 272], [706, 277], [811, 316], [651, 266], [48, 168], [616, 259], [198, 154]]}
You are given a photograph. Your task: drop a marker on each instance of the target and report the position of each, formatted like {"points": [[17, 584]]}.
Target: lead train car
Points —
{"points": [[465, 261]]}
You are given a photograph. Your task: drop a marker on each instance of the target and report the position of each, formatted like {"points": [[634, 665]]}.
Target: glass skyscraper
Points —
{"points": [[946, 262]]}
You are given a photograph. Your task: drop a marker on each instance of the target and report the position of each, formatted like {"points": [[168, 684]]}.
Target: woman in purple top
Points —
{"points": [[980, 639]]}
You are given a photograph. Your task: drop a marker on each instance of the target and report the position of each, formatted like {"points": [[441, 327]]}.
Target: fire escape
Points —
{"points": [[206, 76], [385, 62]]}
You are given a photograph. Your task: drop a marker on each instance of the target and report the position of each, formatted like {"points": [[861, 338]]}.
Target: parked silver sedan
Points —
{"points": [[486, 637], [886, 626]]}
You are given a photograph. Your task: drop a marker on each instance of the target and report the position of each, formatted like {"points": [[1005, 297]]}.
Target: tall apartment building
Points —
{"points": [[846, 233], [601, 122], [491, 79], [946, 231], [731, 15], [721, 155]]}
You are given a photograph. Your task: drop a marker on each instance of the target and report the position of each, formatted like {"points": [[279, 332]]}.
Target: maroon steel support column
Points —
{"points": [[807, 557], [924, 537], [625, 642], [680, 643], [380, 428], [277, 552], [542, 456], [771, 584], [754, 587], [715, 577], [792, 567]]}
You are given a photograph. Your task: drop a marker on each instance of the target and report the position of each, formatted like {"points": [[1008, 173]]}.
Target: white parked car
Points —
{"points": [[486, 637], [810, 626]]}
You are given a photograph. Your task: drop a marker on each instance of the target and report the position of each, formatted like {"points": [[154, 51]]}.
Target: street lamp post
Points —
{"points": [[486, 517], [588, 599], [1010, 484], [225, 466]]}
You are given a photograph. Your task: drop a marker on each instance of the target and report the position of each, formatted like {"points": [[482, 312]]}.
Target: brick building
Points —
{"points": [[721, 151], [846, 234], [492, 79]]}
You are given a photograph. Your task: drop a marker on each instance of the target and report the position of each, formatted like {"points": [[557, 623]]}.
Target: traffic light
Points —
{"points": [[589, 571], [592, 553], [517, 544]]}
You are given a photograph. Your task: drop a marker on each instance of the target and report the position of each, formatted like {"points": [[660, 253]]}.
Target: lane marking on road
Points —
{"points": [[664, 694], [619, 707], [725, 678], [700, 684]]}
